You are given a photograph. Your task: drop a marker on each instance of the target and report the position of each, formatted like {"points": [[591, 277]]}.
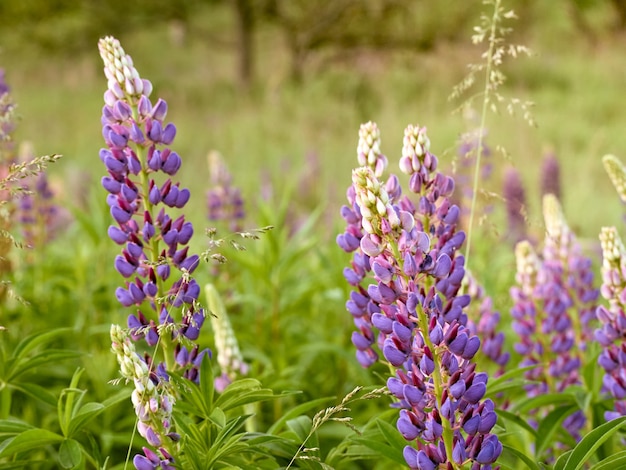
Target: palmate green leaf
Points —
{"points": [[70, 454], [520, 457], [544, 400], [548, 427], [506, 377], [613, 462], [36, 391], [513, 418], [29, 440], [590, 443], [50, 356], [13, 427], [38, 339], [296, 411], [85, 414], [300, 427], [20, 464], [244, 391], [392, 436], [227, 441], [380, 448]]}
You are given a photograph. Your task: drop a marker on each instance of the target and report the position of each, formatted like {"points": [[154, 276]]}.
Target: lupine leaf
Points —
{"points": [[508, 416], [37, 392], [590, 443], [31, 342], [86, 413], [512, 374], [611, 463], [29, 440], [521, 456], [296, 411], [380, 448], [549, 425], [544, 400], [49, 356], [70, 454], [207, 387], [392, 436], [12, 427], [300, 427]]}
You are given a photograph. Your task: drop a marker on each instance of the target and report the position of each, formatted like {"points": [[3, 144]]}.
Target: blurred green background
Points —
{"points": [[280, 87]]}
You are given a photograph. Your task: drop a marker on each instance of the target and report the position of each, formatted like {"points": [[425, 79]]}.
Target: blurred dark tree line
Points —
{"points": [[307, 26]]}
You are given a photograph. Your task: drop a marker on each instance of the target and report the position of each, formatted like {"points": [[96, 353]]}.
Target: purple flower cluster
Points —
{"points": [[553, 312], [155, 257], [612, 330], [551, 175], [407, 274], [224, 200], [554, 305], [40, 218], [515, 201], [484, 323]]}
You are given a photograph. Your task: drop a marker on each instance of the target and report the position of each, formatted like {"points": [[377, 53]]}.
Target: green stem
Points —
{"points": [[483, 120]]}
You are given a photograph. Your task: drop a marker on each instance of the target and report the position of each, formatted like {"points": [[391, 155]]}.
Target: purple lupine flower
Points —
{"points": [[551, 175], [554, 308], [155, 258], [407, 274], [515, 201], [484, 322], [41, 220], [612, 330], [224, 200]]}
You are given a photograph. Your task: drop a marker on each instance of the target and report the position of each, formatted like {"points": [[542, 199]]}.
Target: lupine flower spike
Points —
{"points": [[617, 173], [553, 312], [408, 273], [612, 329], [515, 201], [228, 354], [155, 258], [224, 200], [551, 175]]}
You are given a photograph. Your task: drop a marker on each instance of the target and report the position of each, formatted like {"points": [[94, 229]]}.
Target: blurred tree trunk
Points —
{"points": [[620, 8], [246, 23]]}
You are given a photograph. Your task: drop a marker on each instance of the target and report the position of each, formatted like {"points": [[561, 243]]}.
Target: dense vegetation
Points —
{"points": [[280, 89]]}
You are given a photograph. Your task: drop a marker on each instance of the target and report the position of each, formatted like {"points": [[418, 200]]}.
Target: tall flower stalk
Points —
{"points": [[612, 329], [407, 274], [155, 260], [553, 312]]}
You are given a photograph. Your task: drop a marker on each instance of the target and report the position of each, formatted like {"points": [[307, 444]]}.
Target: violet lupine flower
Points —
{"points": [[155, 258], [224, 200], [551, 175], [612, 329], [41, 220], [515, 200], [554, 305], [412, 300], [484, 322]]}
